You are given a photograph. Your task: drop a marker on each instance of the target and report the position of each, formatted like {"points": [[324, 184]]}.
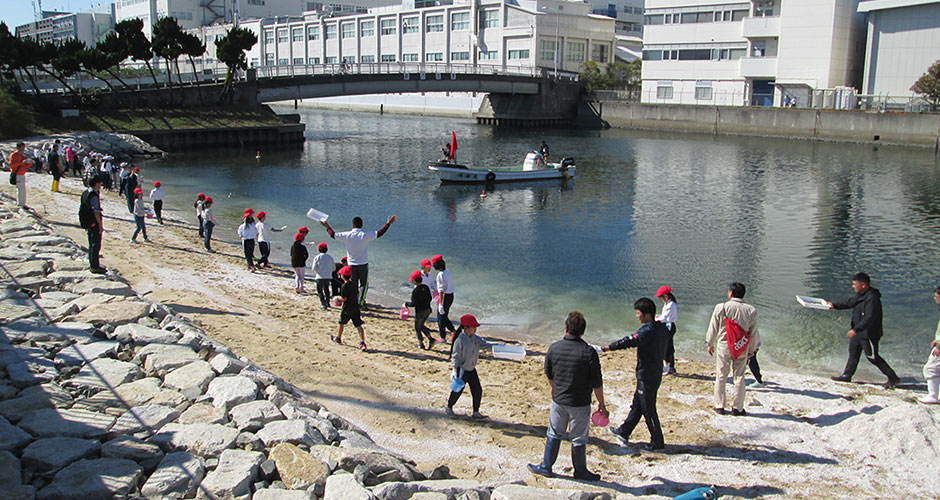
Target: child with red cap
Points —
{"points": [[140, 212], [337, 280], [199, 205], [465, 353], [421, 301], [668, 317], [323, 270], [445, 287], [208, 222], [298, 261], [248, 232], [156, 196], [349, 297], [264, 235]]}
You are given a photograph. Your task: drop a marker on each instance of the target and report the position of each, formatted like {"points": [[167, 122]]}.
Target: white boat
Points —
{"points": [[532, 169]]}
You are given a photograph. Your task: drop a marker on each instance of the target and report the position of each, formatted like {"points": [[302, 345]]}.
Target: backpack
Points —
{"points": [[738, 338], [86, 216]]}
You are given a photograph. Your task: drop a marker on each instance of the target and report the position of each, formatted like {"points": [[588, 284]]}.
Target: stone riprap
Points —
{"points": [[104, 394]]}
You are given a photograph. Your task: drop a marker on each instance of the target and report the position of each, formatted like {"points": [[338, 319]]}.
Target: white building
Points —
{"points": [[755, 52], [903, 41], [89, 26], [493, 32], [628, 26]]}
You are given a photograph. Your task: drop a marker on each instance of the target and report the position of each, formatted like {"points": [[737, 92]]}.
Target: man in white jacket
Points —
{"points": [[738, 320]]}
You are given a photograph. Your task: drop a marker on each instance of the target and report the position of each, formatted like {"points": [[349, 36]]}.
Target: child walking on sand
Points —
{"points": [[349, 297], [421, 301], [156, 196], [140, 212], [264, 233], [464, 357], [248, 232], [208, 223], [298, 260], [668, 317], [445, 287], [199, 205], [323, 272]]}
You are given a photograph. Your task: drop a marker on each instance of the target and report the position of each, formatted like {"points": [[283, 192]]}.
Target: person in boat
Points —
{"points": [[445, 153], [543, 149]]}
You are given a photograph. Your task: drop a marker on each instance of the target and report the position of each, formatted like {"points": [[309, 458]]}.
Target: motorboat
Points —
{"points": [[533, 168]]}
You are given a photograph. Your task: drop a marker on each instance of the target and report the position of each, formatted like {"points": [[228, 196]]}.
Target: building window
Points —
{"points": [[409, 58], [313, 60], [548, 50], [349, 30], [489, 19], [487, 55], [388, 26], [519, 54], [314, 6], [434, 57], [764, 8], [434, 24], [653, 19], [730, 54], [388, 57], [330, 32], [459, 21], [459, 56], [696, 17], [268, 36], [331, 59], [664, 92], [703, 91], [255, 2], [281, 36], [411, 25], [695, 54], [349, 59], [599, 52], [367, 28], [576, 51], [269, 59], [297, 34], [367, 59], [313, 33], [283, 62], [298, 60]]}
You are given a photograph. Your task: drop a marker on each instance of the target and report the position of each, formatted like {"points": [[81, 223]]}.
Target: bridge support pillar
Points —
{"points": [[556, 104]]}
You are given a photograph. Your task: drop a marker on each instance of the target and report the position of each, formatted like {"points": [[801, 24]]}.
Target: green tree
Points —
{"points": [[131, 33], [97, 61], [592, 78], [108, 55], [193, 48], [167, 43], [8, 55], [230, 49], [16, 118], [928, 85], [623, 76]]}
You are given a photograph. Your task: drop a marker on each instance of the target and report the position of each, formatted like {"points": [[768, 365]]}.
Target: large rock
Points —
{"points": [[227, 392], [84, 301], [12, 438], [190, 379], [233, 477], [17, 225], [165, 357], [134, 333], [50, 422], [105, 287], [10, 354], [144, 420], [253, 415], [11, 474], [84, 353], [207, 440], [31, 371], [71, 331], [51, 454], [15, 309], [518, 491], [105, 373], [294, 412], [139, 392], [177, 476], [377, 463], [290, 431], [345, 487], [34, 398], [297, 468], [449, 487], [103, 479], [62, 277], [131, 448], [29, 268], [226, 364], [203, 413], [115, 313], [39, 240], [276, 494]]}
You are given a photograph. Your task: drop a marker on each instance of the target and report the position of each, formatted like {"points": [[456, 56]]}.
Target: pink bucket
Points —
{"points": [[600, 419], [403, 313], [436, 295], [336, 302]]}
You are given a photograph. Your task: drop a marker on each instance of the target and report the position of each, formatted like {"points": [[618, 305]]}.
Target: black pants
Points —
{"points": [[200, 226], [249, 246], [671, 347], [755, 368], [443, 322], [158, 209], [94, 247], [421, 316], [265, 248], [644, 405], [476, 391], [360, 276], [323, 291], [870, 347], [75, 164]]}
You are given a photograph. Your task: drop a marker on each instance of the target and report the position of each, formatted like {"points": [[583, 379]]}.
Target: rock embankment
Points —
{"points": [[104, 394], [118, 145]]}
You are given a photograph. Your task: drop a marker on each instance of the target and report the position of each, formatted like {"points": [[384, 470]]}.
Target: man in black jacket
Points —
{"points": [[651, 341], [866, 329]]}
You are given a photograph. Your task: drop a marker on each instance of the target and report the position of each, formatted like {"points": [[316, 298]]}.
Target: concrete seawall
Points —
{"points": [[907, 129]]}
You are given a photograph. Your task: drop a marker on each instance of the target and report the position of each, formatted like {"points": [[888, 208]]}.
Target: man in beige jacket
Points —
{"points": [[741, 318]]}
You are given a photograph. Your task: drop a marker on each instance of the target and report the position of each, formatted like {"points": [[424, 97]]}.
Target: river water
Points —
{"points": [[695, 212]]}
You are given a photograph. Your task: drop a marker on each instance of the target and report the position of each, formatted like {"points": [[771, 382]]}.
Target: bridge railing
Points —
{"points": [[292, 70]]}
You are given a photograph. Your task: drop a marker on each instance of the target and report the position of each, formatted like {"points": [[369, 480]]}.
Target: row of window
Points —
{"points": [[410, 57], [703, 90], [694, 54], [632, 10], [717, 16], [459, 21]]}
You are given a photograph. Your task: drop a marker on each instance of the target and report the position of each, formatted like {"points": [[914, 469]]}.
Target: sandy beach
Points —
{"points": [[804, 437]]}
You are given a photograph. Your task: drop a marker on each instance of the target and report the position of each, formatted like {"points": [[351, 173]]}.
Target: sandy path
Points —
{"points": [[804, 438]]}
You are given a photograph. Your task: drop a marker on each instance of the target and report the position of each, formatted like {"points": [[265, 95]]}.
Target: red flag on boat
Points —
{"points": [[453, 145]]}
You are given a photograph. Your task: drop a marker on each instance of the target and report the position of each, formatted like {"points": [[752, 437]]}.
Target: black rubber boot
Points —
{"points": [[548, 460], [579, 460]]}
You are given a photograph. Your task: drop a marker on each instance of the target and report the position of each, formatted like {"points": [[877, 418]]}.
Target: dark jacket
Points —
{"points": [[420, 298], [298, 254], [651, 341], [866, 313], [575, 371]]}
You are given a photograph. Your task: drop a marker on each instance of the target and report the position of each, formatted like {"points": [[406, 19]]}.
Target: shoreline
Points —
{"points": [[801, 438]]}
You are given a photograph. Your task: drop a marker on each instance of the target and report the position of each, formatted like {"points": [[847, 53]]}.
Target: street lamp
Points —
{"points": [[547, 10]]}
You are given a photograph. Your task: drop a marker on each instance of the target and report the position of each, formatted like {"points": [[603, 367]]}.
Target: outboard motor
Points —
{"points": [[567, 162]]}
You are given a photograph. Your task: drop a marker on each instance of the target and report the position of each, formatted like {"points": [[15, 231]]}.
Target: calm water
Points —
{"points": [[646, 209]]}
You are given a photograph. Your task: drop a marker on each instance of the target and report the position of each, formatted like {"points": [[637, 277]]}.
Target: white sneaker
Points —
{"points": [[929, 400], [756, 385]]}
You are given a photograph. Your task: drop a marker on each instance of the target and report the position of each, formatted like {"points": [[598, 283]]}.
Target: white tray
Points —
{"points": [[317, 215], [513, 352], [812, 302]]}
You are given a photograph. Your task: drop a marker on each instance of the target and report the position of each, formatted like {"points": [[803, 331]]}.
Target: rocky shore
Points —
{"points": [[105, 394], [123, 146]]}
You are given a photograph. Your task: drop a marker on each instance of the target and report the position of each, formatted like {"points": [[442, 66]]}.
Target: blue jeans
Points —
{"points": [[141, 227], [207, 230]]}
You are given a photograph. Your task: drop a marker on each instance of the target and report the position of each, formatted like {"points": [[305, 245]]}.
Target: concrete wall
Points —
{"points": [[902, 44], [849, 126]]}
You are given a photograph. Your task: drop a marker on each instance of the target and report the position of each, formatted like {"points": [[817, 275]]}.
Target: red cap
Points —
{"points": [[425, 263], [208, 199], [262, 214], [344, 271], [663, 290], [322, 246], [138, 191], [437, 258], [156, 183], [468, 320], [201, 196], [136, 170], [415, 275], [249, 211], [343, 259], [298, 236], [303, 229]]}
